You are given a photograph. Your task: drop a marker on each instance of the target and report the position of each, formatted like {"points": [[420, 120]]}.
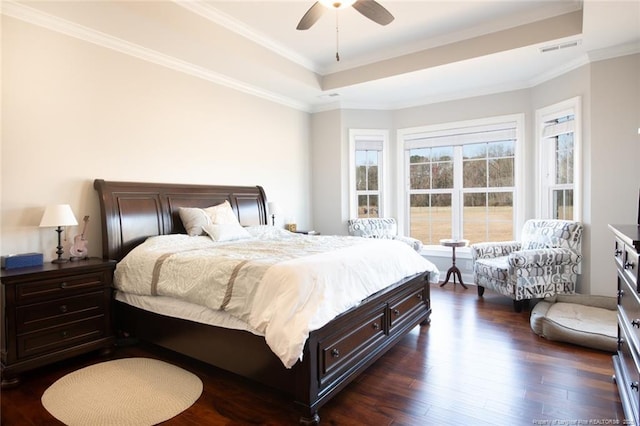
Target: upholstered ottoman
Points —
{"points": [[580, 319]]}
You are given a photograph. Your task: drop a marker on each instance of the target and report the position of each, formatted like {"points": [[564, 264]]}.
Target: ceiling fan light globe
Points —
{"points": [[331, 4]]}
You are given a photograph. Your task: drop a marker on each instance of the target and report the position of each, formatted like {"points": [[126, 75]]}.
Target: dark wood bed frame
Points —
{"points": [[333, 355]]}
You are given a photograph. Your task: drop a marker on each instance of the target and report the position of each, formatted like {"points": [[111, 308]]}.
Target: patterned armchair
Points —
{"points": [[380, 228], [544, 263]]}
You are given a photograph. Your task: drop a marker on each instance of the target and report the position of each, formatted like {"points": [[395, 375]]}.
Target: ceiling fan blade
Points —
{"points": [[374, 11], [313, 14]]}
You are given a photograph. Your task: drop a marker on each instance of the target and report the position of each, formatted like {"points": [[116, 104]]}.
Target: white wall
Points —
{"points": [[73, 112]]}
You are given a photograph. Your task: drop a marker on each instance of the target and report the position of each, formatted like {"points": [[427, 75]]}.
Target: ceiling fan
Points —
{"points": [[369, 8]]}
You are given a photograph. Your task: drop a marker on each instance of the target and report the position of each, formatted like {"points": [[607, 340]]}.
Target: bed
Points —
{"points": [[332, 356]]}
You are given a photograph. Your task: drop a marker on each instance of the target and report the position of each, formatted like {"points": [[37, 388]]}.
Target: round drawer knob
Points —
{"points": [[375, 326], [396, 312], [628, 265], [636, 323], [64, 334], [335, 353], [618, 252], [63, 309], [63, 285]]}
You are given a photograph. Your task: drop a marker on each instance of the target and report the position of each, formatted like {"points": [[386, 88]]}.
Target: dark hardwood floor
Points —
{"points": [[478, 363]]}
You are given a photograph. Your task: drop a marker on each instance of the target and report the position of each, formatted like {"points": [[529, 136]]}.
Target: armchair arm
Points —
{"points": [[488, 250], [544, 257]]}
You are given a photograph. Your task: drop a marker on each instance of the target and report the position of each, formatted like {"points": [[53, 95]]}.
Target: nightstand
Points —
{"points": [[53, 312]]}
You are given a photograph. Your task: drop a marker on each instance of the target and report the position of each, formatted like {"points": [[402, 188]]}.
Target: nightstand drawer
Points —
{"points": [[61, 311], [68, 335], [58, 287]]}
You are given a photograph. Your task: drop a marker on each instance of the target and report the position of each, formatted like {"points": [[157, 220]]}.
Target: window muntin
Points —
{"points": [[461, 182], [367, 187], [367, 169], [559, 159]]}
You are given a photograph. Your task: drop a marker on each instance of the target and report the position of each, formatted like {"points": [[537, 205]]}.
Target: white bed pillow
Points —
{"points": [[194, 219], [226, 231]]}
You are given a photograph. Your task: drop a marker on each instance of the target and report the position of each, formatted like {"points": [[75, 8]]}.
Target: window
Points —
{"points": [[461, 179], [367, 172], [558, 158]]}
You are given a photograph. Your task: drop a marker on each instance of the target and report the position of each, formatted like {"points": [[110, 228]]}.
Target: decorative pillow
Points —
{"points": [[226, 231], [194, 219], [222, 213]]}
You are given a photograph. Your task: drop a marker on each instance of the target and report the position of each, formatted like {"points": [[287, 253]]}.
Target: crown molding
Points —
{"points": [[214, 15], [54, 23]]}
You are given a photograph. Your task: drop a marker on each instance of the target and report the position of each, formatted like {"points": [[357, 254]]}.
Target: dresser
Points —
{"points": [[626, 360], [53, 312]]}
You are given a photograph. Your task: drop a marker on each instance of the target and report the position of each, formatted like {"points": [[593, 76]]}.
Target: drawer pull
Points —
{"points": [[375, 326], [64, 334], [620, 342], [628, 265], [419, 296], [63, 285], [396, 312], [618, 252], [634, 386], [620, 293], [64, 309], [335, 353], [636, 323]]}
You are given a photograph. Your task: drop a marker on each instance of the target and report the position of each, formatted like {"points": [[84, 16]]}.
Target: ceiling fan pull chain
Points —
{"points": [[337, 38]]}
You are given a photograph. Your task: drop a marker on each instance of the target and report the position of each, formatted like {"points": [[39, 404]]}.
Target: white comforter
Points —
{"points": [[283, 285]]}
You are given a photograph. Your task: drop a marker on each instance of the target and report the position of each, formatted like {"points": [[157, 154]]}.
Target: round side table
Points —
{"points": [[454, 269]]}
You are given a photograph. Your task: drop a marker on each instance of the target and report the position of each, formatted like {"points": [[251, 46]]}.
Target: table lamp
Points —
{"points": [[58, 215], [274, 209]]}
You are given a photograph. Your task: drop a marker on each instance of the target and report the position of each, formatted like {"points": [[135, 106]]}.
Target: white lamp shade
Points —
{"points": [[274, 208], [58, 215]]}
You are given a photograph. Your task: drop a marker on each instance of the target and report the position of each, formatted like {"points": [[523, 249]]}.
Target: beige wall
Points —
{"points": [[73, 112]]}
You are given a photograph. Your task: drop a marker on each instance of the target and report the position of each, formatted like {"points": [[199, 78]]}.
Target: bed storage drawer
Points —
{"points": [[339, 351], [406, 306]]}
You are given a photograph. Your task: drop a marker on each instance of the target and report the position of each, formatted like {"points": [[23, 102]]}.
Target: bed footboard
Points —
{"points": [[337, 353]]}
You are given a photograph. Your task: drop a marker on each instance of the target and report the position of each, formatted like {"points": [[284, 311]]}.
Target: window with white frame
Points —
{"points": [[461, 180], [367, 165], [559, 161]]}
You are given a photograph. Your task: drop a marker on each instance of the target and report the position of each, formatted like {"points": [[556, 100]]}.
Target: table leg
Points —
{"points": [[453, 271]]}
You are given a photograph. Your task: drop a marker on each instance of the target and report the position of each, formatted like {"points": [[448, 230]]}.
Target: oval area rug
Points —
{"points": [[128, 391]]}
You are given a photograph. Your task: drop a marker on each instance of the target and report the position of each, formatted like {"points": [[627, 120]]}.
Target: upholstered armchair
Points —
{"points": [[380, 228], [544, 263]]}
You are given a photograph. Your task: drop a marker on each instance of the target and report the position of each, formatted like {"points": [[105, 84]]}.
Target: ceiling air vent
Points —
{"points": [[560, 46]]}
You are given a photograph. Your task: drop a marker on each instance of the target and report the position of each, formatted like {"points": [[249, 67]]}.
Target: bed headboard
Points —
{"points": [[132, 211]]}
